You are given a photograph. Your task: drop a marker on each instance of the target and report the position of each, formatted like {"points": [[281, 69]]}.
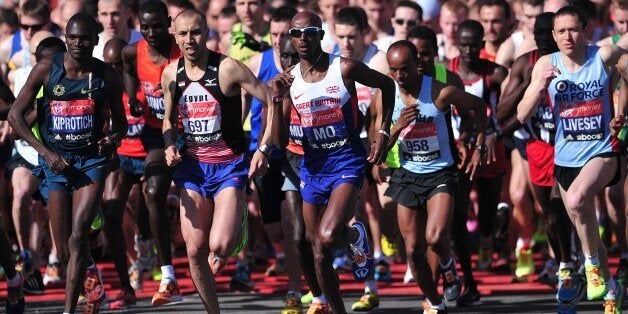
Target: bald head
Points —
{"points": [[305, 19], [37, 38], [554, 5], [191, 14], [112, 53], [68, 9]]}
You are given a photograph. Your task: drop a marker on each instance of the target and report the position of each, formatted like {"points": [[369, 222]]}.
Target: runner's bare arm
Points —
{"points": [[542, 74], [24, 102], [119, 125], [129, 76], [358, 72], [171, 115]]}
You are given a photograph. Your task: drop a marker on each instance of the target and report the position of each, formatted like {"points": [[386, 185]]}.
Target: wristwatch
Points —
{"points": [[265, 149]]}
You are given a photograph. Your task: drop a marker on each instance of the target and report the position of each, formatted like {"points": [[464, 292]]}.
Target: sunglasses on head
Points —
{"points": [[34, 27], [410, 23], [308, 31]]}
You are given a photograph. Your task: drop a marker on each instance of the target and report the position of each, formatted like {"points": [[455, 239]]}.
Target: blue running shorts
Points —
{"points": [[208, 179]]}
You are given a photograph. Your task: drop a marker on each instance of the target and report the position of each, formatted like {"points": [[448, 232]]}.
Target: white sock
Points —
{"points": [[377, 255], [523, 243], [280, 255], [440, 306], [13, 282], [320, 299], [370, 286], [52, 259], [167, 272], [591, 260], [566, 265]]}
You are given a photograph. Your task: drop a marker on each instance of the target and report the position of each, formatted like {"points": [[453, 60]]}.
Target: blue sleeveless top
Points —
{"points": [[267, 71], [581, 104], [73, 112], [425, 145]]}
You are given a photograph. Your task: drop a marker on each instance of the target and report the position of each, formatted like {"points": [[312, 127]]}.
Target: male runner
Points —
{"points": [[495, 18], [114, 16], [79, 93], [483, 78], [323, 93], [131, 156], [577, 80], [143, 66], [205, 87], [424, 186]]}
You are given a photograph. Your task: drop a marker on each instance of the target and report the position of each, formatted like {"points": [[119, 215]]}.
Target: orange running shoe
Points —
{"points": [[124, 298], [168, 293], [94, 291]]}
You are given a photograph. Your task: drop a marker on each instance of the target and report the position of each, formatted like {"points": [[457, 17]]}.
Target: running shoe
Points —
{"points": [[362, 263], [307, 298], [367, 302], [15, 297], [389, 248], [622, 271], [53, 276], [97, 222], [94, 291], [24, 262], [168, 292], [570, 286], [525, 264], [145, 254], [485, 259], [124, 298], [427, 309], [596, 286], [382, 271], [549, 274], [136, 278], [241, 279], [342, 263], [34, 284], [293, 304], [470, 297], [277, 268], [318, 308], [451, 282], [155, 274], [614, 302]]}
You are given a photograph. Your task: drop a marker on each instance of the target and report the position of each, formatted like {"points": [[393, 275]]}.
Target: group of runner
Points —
{"points": [[343, 135]]}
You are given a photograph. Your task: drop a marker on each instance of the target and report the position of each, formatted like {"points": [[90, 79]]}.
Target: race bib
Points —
{"points": [[419, 142], [582, 121], [72, 120], [154, 99], [324, 128]]}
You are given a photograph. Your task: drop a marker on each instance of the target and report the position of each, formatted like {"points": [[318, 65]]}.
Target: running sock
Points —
{"points": [[320, 299], [370, 286], [591, 260], [447, 264], [52, 259], [167, 272], [377, 255], [13, 282], [523, 243], [280, 255], [565, 265]]}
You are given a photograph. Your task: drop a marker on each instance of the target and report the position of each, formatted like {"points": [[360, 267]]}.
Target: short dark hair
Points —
{"points": [[8, 16], [352, 16], [184, 4], [37, 9], [411, 5], [408, 45], [283, 14], [571, 11], [501, 3], [85, 20], [50, 43], [228, 11], [153, 6], [471, 25], [423, 32]]}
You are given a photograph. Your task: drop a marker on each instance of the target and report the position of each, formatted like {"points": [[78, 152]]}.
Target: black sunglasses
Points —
{"points": [[34, 27], [410, 23], [308, 31]]}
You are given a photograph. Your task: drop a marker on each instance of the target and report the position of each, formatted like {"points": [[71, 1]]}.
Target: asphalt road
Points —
{"points": [[261, 303]]}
